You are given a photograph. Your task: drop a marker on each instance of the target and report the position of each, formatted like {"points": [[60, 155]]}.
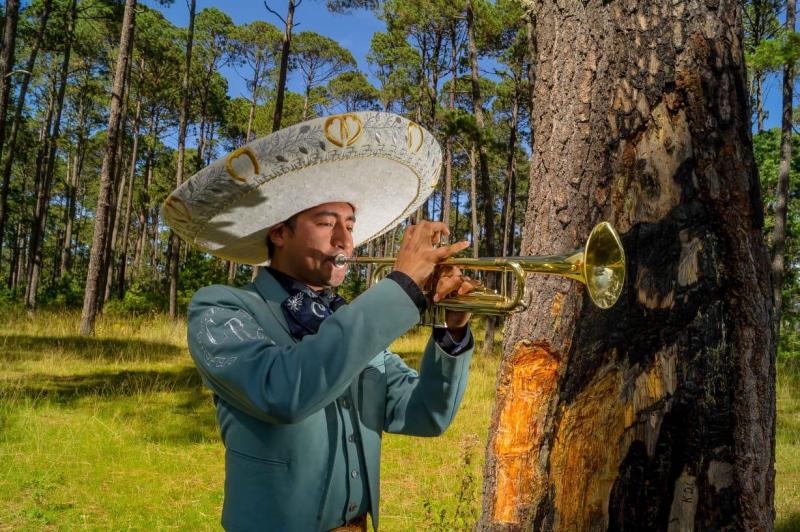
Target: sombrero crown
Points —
{"points": [[382, 164]]}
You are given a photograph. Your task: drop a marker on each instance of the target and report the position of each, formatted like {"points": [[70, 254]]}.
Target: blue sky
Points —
{"points": [[353, 31]]}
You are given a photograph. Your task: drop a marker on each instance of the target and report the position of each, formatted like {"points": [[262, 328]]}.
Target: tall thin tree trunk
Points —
{"points": [[511, 170], [759, 85], [12, 140], [48, 168], [658, 413], [484, 185], [782, 190], [117, 192], [284, 66], [176, 243], [7, 62], [96, 266], [72, 193], [448, 147], [473, 201], [126, 223]]}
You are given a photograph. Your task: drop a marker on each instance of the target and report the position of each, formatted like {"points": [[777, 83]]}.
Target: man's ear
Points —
{"points": [[277, 236]]}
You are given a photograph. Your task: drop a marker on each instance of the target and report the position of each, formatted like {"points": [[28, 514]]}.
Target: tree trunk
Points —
{"points": [[285, 50], [43, 196], [759, 104], [96, 265], [486, 197], [511, 170], [117, 191], [41, 191], [782, 190], [126, 222], [72, 193], [12, 139], [176, 242], [477, 106], [473, 201], [448, 146], [659, 413], [7, 62]]}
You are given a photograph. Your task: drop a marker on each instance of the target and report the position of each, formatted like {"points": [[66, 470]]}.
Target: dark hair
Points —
{"points": [[291, 223]]}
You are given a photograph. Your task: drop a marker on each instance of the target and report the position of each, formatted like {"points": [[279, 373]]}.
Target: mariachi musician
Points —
{"points": [[303, 382]]}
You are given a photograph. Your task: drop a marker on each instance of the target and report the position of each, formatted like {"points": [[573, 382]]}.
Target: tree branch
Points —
{"points": [[274, 12]]}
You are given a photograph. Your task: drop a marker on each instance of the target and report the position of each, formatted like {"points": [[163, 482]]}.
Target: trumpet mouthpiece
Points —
{"points": [[340, 260]]}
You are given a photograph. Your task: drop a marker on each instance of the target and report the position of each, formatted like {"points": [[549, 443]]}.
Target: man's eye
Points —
{"points": [[350, 229]]}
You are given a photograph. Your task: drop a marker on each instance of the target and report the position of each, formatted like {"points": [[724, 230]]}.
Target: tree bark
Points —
{"points": [[43, 196], [659, 413], [473, 201], [41, 191], [782, 190], [184, 118], [72, 193], [511, 181], [284, 67], [448, 147], [126, 223], [7, 62], [12, 139], [93, 277]]}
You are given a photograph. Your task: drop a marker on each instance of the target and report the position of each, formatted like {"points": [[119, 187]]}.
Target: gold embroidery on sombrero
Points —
{"points": [[414, 137], [243, 151], [177, 210], [337, 131]]}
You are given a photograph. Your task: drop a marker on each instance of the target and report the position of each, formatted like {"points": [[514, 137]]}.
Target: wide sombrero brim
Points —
{"points": [[382, 164]]}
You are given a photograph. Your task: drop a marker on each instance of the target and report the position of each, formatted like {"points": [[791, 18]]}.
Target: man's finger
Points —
{"points": [[448, 251], [445, 286]]}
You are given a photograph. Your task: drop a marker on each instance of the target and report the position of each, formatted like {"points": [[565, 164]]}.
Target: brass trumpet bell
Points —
{"points": [[600, 265]]}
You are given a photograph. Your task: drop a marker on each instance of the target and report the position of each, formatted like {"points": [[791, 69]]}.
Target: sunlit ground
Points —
{"points": [[116, 432]]}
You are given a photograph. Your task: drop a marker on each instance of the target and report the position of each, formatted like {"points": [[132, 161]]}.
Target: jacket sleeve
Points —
{"points": [[284, 384], [425, 403]]}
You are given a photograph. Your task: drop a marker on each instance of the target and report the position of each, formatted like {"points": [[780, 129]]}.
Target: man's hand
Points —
{"points": [[417, 257], [450, 282]]}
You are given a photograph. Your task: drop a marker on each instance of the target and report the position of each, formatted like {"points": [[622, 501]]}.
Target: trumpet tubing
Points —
{"points": [[600, 265]]}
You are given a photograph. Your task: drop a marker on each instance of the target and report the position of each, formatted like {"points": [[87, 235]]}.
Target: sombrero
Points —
{"points": [[381, 163]]}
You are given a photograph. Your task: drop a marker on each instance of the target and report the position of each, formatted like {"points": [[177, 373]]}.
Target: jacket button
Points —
{"points": [[352, 507], [351, 438], [354, 473], [345, 403]]}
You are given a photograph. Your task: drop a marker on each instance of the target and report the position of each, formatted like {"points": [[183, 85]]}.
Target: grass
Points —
{"points": [[116, 432]]}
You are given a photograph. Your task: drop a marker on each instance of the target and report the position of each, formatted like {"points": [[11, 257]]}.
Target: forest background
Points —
{"points": [[78, 165], [417, 63]]}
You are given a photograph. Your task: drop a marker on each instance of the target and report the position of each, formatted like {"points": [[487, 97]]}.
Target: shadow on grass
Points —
{"points": [[66, 389], [26, 347], [788, 524]]}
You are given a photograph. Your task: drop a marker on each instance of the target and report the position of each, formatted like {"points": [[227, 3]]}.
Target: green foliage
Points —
{"points": [[353, 91], [773, 54]]}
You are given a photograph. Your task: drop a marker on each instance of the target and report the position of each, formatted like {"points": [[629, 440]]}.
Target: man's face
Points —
{"points": [[320, 233]]}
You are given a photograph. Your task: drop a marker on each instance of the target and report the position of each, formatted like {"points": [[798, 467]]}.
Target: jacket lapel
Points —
{"points": [[273, 295]]}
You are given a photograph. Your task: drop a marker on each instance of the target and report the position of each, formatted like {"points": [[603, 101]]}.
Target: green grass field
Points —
{"points": [[116, 432]]}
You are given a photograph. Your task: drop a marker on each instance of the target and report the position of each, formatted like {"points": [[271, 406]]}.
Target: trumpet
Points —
{"points": [[600, 265]]}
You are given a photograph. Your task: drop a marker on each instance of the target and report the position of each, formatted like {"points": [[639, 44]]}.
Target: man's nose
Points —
{"points": [[341, 237]]}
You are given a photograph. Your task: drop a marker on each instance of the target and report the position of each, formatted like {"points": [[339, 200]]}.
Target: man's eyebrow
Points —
{"points": [[352, 217]]}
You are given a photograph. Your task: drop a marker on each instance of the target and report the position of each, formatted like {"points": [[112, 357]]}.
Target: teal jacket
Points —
{"points": [[275, 396]]}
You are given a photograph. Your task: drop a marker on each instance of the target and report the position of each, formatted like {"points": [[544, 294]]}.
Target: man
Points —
{"points": [[303, 384]]}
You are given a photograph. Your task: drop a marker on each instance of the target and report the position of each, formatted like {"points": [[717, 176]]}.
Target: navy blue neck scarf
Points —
{"points": [[305, 309]]}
